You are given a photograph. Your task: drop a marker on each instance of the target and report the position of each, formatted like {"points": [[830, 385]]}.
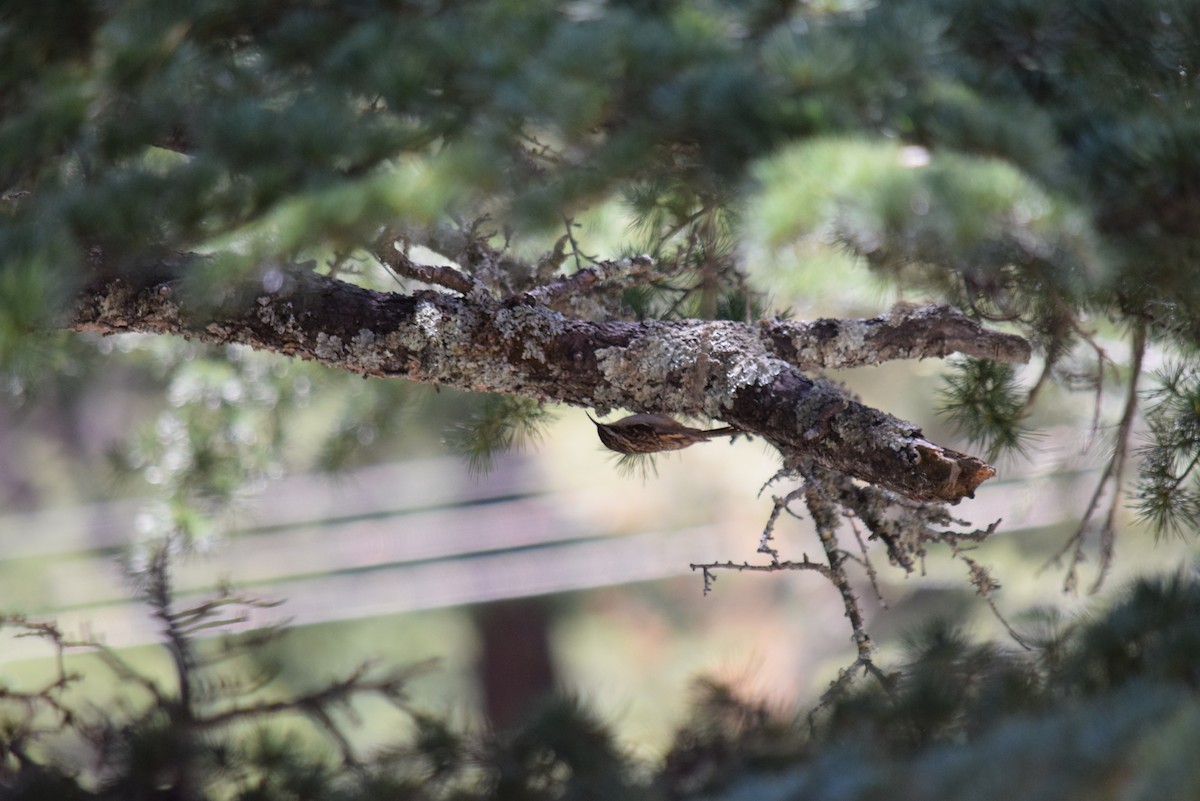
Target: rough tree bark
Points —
{"points": [[751, 376]]}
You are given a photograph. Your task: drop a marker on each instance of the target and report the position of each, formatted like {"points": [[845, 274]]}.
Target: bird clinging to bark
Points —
{"points": [[652, 433]]}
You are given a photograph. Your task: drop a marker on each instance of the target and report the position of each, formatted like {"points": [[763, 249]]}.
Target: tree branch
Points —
{"points": [[606, 273], [432, 274], [716, 369], [906, 332]]}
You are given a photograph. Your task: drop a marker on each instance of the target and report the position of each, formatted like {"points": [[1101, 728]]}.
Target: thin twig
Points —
{"points": [[1043, 376], [624, 273], [1114, 471], [679, 226], [392, 687], [865, 561], [825, 515], [576, 253], [549, 262], [709, 569], [434, 274], [782, 473], [1108, 534], [1101, 358], [781, 503], [839, 684], [985, 586]]}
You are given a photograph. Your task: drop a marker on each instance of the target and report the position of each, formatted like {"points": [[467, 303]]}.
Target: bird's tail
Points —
{"points": [[727, 431]]}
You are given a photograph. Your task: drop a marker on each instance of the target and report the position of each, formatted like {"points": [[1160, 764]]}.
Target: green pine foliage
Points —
{"points": [[984, 399], [1103, 706], [1060, 140], [1168, 495], [501, 423]]}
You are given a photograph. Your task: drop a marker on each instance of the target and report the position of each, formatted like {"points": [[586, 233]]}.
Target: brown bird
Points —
{"points": [[651, 433]]}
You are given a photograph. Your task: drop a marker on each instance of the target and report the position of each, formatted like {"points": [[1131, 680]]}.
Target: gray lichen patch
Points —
{"points": [[434, 339], [530, 326], [368, 352], [850, 345], [686, 368], [866, 428], [816, 405], [280, 317], [847, 347], [742, 371], [731, 360], [458, 343], [328, 348], [652, 372], [428, 320]]}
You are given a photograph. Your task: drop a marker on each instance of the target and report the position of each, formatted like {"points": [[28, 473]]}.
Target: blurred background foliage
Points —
{"points": [[1035, 163]]}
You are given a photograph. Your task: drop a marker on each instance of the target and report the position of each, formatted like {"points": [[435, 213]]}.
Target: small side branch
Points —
{"points": [[827, 517], [906, 526], [768, 535], [844, 677], [623, 273], [985, 587], [907, 332], [433, 274], [865, 561], [1114, 473], [392, 687], [49, 696], [710, 569]]}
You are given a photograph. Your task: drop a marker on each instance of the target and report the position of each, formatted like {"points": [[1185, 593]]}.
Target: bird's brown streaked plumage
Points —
{"points": [[653, 433]]}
